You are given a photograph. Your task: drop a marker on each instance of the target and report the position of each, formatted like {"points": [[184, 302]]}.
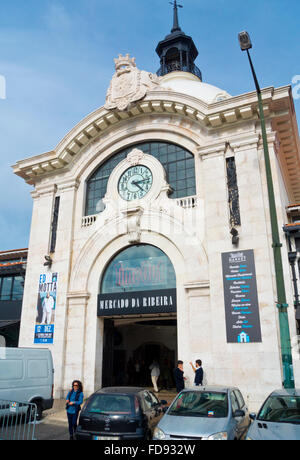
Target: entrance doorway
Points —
{"points": [[130, 346], [138, 301]]}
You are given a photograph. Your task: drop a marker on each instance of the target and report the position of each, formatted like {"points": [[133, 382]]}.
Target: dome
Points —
{"points": [[187, 83]]}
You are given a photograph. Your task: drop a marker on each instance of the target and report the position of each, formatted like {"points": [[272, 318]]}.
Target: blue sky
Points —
{"points": [[57, 60]]}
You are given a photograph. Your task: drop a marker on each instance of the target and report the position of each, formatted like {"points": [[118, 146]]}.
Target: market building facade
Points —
{"points": [[153, 216]]}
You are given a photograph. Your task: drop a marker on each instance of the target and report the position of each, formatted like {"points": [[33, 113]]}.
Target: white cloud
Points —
{"points": [[57, 18]]}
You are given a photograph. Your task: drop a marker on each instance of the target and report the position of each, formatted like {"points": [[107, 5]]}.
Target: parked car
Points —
{"points": [[26, 376], [208, 413], [119, 413], [278, 418]]}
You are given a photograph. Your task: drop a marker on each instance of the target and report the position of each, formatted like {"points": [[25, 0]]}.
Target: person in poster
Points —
{"points": [[46, 304]]}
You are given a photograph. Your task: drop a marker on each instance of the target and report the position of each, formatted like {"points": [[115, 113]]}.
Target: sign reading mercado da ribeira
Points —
{"points": [[137, 287], [241, 298]]}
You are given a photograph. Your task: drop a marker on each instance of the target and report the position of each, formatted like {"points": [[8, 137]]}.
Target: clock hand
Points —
{"points": [[140, 181], [137, 184]]}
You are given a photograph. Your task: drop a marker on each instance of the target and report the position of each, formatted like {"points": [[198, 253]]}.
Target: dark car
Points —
{"points": [[119, 413]]}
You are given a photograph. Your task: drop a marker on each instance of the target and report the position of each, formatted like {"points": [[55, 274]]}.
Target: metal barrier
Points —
{"points": [[17, 421]]}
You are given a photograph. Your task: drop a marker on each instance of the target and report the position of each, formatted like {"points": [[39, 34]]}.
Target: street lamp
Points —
{"points": [[286, 355]]}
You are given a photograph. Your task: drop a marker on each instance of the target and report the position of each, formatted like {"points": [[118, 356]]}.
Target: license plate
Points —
{"points": [[106, 438]]}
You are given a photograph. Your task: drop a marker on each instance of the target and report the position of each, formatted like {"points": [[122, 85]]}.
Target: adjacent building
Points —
{"points": [[12, 278]]}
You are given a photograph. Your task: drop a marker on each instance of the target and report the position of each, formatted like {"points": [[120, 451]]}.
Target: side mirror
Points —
{"points": [[239, 413], [163, 402], [252, 416]]}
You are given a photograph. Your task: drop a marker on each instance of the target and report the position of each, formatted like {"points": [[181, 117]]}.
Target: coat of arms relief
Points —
{"points": [[129, 84]]}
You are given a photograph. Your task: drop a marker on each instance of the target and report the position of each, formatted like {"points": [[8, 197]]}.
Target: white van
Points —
{"points": [[26, 375]]}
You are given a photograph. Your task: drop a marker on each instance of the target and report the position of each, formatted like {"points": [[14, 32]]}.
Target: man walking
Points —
{"points": [[155, 372]]}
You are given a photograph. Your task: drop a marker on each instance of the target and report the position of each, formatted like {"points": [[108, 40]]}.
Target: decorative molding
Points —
{"points": [[78, 298], [278, 106], [197, 285], [133, 216], [135, 156]]}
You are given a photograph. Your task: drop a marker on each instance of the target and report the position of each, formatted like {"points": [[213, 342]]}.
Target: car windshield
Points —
{"points": [[110, 404], [281, 409], [200, 404]]}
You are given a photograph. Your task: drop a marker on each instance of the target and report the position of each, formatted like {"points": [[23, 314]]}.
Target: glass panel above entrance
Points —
{"points": [[139, 268], [139, 280]]}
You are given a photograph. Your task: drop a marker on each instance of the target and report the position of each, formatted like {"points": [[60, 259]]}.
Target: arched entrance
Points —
{"points": [[138, 303]]}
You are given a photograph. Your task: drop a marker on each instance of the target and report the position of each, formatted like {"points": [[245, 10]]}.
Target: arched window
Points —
{"points": [[179, 165], [138, 268]]}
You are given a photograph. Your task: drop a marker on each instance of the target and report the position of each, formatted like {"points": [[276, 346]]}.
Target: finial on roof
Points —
{"points": [[176, 27]]}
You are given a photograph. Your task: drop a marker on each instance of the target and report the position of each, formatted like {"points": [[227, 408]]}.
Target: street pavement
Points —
{"points": [[54, 424]]}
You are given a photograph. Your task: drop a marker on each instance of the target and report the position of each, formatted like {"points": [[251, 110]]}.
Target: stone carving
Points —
{"points": [[134, 231], [135, 156], [129, 84]]}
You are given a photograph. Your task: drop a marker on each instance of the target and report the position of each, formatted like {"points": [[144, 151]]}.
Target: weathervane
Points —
{"points": [[175, 21]]}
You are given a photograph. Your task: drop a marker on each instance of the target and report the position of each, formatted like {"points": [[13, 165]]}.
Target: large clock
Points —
{"points": [[135, 183]]}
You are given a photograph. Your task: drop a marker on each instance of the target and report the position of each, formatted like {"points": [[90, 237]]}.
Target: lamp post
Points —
{"points": [[286, 355]]}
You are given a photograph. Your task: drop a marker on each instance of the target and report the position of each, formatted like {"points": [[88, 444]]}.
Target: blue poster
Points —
{"points": [[46, 307]]}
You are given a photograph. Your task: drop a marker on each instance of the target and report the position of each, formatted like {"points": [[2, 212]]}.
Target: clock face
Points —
{"points": [[135, 183]]}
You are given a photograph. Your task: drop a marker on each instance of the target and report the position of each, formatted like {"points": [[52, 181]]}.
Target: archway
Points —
{"points": [[137, 300]]}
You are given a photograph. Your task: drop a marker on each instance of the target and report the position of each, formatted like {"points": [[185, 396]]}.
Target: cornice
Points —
{"points": [[214, 117]]}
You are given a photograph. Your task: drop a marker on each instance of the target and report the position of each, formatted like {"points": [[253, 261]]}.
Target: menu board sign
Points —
{"points": [[241, 299]]}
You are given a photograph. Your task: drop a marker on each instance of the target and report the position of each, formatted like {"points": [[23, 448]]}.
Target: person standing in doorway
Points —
{"points": [[179, 376], [198, 372], [73, 402], [155, 372]]}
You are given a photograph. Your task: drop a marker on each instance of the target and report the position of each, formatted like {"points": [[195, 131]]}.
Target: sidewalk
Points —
{"points": [[58, 411]]}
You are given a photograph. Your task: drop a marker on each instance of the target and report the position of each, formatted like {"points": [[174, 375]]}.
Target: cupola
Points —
{"points": [[177, 51]]}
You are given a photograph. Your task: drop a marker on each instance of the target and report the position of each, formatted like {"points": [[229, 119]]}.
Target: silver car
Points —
{"points": [[278, 418], [207, 413]]}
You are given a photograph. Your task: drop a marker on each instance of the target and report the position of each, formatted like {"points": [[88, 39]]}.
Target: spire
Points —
{"points": [[177, 51], [176, 27]]}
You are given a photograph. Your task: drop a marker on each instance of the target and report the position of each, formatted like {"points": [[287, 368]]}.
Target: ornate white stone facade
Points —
{"points": [[193, 232]]}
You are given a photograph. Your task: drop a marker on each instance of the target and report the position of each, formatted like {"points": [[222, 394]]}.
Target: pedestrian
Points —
{"points": [[73, 402], [155, 372], [179, 378], [198, 372]]}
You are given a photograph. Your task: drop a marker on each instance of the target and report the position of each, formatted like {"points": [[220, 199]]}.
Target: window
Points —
{"points": [[200, 404], [54, 224], [281, 409], [179, 165], [234, 402], [18, 287], [6, 288], [110, 404], [139, 268], [233, 193], [240, 399], [11, 287], [147, 400]]}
